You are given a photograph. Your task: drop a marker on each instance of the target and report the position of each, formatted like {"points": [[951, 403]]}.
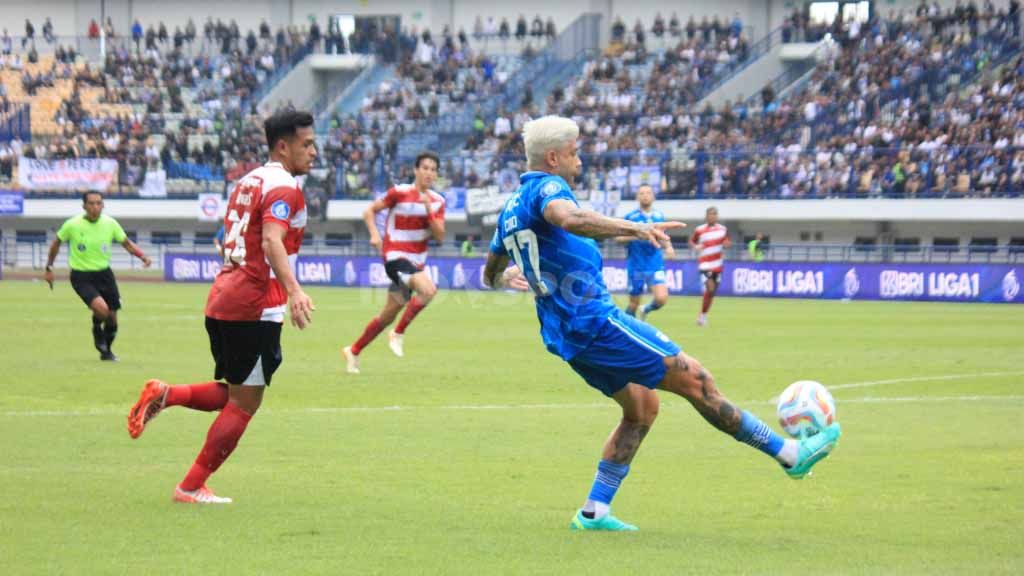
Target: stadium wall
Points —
{"points": [[992, 283]]}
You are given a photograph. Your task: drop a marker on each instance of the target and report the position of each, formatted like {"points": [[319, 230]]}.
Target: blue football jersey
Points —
{"points": [[563, 269], [642, 255]]}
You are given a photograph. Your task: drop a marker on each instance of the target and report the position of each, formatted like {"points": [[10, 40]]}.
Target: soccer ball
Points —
{"points": [[805, 408]]}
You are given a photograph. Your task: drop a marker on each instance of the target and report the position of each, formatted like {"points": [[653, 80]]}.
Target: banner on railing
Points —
{"points": [[11, 203], [95, 174], [935, 282]]}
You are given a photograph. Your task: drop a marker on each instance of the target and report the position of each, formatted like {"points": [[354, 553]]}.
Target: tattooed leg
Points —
{"points": [[639, 409], [687, 378]]}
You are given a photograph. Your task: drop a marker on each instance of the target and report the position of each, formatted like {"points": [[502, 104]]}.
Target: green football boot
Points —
{"points": [[814, 449], [607, 523]]}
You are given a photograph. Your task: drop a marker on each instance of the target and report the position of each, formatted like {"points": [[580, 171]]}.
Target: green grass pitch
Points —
{"points": [[470, 455]]}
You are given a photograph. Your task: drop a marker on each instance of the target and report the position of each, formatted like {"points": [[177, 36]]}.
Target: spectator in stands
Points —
{"points": [[314, 34], [94, 29], [30, 33], [48, 31], [618, 30], [6, 43], [549, 30], [504, 31], [137, 34], [109, 28], [190, 31], [521, 28], [658, 29], [537, 28]]}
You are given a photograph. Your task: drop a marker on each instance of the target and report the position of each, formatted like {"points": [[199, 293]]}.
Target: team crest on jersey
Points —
{"points": [[280, 210], [550, 189]]}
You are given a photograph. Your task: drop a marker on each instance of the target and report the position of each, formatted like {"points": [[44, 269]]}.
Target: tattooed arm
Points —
{"points": [[583, 222]]}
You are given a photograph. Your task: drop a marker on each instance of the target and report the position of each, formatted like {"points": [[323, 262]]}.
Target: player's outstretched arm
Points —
{"points": [[583, 222], [54, 249], [300, 304], [134, 250]]}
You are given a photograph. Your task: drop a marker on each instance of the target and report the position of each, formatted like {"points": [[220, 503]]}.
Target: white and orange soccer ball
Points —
{"points": [[805, 408]]}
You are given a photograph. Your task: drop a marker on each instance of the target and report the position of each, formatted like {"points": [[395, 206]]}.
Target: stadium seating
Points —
{"points": [[922, 105]]}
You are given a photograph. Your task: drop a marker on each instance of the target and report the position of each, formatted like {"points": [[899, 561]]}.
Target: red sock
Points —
{"points": [[411, 310], [208, 396], [369, 333], [708, 297], [220, 442]]}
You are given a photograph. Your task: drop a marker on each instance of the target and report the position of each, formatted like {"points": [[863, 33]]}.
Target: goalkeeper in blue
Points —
{"points": [[551, 240], [645, 266]]}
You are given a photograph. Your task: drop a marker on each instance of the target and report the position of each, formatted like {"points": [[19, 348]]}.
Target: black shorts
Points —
{"points": [[400, 271], [713, 275], [245, 352], [89, 285]]}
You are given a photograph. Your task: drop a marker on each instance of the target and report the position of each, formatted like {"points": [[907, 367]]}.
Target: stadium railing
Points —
{"points": [[32, 254], [690, 173]]}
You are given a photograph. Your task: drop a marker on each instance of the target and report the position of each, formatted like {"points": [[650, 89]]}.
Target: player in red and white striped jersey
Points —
{"points": [[709, 239], [415, 216], [246, 305]]}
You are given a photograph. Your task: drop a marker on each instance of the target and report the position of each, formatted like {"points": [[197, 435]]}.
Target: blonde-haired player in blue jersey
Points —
{"points": [[552, 242]]}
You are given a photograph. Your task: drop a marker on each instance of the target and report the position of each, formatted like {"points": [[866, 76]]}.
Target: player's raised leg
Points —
{"points": [[424, 290], [396, 300], [686, 377], [156, 396], [639, 410], [659, 293]]}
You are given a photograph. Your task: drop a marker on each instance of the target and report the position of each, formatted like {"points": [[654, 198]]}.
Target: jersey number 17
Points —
{"points": [[526, 241]]}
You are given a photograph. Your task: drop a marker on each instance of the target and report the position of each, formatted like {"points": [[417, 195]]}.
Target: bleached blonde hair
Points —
{"points": [[547, 133]]}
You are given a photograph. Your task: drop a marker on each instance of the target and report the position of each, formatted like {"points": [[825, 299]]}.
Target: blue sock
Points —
{"points": [[651, 307], [759, 435], [606, 483]]}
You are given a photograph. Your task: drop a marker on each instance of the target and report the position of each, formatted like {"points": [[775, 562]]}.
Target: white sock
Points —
{"points": [[598, 509], [790, 450]]}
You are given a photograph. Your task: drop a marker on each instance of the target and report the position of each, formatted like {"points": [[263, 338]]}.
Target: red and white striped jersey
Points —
{"points": [[710, 240], [246, 288], [408, 227]]}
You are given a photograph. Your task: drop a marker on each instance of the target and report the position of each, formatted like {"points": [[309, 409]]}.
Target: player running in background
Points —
{"points": [[709, 240], [266, 216], [90, 237], [551, 238], [645, 265], [415, 216]]}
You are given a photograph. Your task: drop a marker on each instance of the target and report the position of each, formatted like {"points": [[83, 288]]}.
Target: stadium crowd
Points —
{"points": [[905, 105]]}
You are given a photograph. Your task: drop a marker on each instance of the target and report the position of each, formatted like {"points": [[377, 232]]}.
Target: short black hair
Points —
{"points": [[85, 195], [427, 155], [284, 124]]}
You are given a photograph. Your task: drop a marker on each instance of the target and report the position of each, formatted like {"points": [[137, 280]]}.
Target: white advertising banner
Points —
{"points": [[94, 174]]}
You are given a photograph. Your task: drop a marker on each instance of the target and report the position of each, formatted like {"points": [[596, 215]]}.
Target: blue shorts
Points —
{"points": [[625, 350], [639, 280]]}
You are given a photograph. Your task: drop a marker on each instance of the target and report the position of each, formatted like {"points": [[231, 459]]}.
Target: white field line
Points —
{"points": [[871, 383], [497, 407]]}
